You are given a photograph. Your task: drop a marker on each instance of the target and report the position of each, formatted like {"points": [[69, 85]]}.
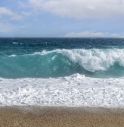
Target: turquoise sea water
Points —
{"points": [[58, 57]]}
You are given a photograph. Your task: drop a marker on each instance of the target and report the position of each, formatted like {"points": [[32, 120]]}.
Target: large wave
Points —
{"points": [[63, 62], [92, 59]]}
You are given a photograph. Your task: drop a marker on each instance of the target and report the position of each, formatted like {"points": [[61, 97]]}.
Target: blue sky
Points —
{"points": [[62, 18]]}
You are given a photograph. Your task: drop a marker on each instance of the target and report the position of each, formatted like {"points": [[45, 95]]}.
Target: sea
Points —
{"points": [[62, 72]]}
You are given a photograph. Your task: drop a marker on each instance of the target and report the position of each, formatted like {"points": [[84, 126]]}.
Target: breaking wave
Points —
{"points": [[63, 62]]}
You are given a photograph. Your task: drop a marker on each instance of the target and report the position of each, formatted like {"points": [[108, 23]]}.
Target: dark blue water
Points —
{"points": [[55, 57]]}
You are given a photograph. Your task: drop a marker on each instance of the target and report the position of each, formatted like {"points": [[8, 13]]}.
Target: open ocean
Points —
{"points": [[62, 71]]}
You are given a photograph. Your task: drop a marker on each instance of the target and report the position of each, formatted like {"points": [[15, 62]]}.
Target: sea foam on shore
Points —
{"points": [[74, 90]]}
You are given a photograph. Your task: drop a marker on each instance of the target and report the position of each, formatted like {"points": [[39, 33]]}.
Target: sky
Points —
{"points": [[61, 18]]}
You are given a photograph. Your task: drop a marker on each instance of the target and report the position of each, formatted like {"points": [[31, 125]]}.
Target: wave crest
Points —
{"points": [[91, 59], [61, 62]]}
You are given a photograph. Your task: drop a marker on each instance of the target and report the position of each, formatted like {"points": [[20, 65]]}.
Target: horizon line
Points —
{"points": [[61, 37]]}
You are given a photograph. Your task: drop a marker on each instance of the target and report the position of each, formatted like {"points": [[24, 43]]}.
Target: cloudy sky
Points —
{"points": [[62, 18]]}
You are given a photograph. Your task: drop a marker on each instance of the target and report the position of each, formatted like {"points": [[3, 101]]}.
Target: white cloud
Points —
{"points": [[81, 8], [93, 34], [5, 12], [7, 16]]}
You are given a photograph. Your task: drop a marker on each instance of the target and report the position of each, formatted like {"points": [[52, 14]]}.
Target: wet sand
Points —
{"points": [[60, 117]]}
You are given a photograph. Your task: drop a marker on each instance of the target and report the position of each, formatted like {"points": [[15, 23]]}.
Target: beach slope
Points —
{"points": [[60, 117]]}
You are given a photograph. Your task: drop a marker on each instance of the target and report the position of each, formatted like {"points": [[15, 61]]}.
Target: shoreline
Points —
{"points": [[40, 116]]}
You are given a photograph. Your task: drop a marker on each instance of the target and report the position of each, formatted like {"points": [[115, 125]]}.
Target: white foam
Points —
{"points": [[94, 59], [75, 90]]}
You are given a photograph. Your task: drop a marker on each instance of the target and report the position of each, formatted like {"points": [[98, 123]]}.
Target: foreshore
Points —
{"points": [[61, 117]]}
